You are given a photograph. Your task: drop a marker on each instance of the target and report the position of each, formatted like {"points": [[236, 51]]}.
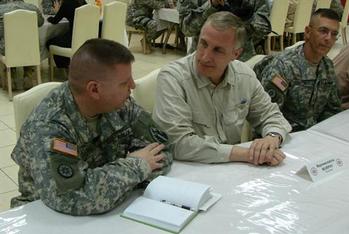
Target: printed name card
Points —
{"points": [[322, 168]]}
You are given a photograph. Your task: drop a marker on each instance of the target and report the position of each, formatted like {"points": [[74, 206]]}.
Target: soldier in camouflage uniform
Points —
{"points": [[140, 16], [302, 80], [335, 5], [88, 145], [255, 13], [8, 6]]}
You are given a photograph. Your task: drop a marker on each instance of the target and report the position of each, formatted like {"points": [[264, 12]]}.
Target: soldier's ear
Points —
{"points": [[307, 31], [236, 53], [93, 89]]}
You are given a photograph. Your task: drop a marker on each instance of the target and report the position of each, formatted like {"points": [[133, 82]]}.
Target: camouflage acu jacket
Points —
{"points": [[305, 93], [79, 170]]}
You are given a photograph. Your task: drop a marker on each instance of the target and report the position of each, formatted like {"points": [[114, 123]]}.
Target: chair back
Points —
{"points": [[21, 39], [254, 60], [344, 23], [278, 16], [114, 26], [345, 14], [144, 93], [86, 23], [323, 4], [24, 103], [302, 15]]}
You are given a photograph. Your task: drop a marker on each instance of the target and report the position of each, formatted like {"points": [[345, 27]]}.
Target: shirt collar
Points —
{"points": [[109, 122]]}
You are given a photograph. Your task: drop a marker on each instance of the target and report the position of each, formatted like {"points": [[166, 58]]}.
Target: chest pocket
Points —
{"points": [[92, 154], [324, 89], [236, 115], [300, 94]]}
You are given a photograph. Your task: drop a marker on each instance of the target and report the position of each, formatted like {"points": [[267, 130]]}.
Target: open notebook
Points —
{"points": [[170, 204]]}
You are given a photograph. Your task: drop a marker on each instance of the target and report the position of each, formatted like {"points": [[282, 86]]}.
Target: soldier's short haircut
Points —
{"points": [[93, 59], [326, 13], [224, 20]]}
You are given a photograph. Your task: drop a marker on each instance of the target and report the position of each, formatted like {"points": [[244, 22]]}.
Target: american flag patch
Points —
{"points": [[280, 82], [64, 147]]}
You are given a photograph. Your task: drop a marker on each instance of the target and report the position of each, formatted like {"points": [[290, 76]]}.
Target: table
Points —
{"points": [[254, 199], [337, 126], [168, 15], [48, 31]]}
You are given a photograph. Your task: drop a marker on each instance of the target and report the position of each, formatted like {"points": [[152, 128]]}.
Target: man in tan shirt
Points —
{"points": [[341, 67], [204, 98]]}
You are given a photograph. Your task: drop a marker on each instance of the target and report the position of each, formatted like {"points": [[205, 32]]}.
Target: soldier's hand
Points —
{"points": [[217, 2], [56, 5], [152, 154]]}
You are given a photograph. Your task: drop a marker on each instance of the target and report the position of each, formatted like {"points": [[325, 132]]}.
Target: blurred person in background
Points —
{"points": [[63, 9], [8, 6]]}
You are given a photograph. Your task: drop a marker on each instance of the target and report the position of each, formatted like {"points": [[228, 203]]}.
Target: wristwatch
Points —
{"points": [[275, 134]]}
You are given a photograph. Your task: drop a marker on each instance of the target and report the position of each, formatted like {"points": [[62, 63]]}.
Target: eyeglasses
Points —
{"points": [[323, 31]]}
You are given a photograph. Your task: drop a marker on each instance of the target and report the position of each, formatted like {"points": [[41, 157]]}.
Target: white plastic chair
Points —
{"points": [[24, 103], [301, 18], [246, 132], [21, 46], [344, 23], [277, 19], [86, 23], [114, 18], [323, 4], [144, 93]]}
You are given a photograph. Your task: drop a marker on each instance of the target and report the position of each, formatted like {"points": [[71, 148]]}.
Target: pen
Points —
{"points": [[173, 204]]}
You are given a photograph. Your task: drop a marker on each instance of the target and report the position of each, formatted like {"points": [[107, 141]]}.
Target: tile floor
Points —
{"points": [[8, 169]]}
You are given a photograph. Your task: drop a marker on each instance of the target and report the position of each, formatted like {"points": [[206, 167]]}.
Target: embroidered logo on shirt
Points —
{"points": [[64, 147], [280, 82]]}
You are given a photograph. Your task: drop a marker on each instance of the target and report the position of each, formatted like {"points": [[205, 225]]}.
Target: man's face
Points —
{"points": [[321, 35], [214, 52], [116, 88]]}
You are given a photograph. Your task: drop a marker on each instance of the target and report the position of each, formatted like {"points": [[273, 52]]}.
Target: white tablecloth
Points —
{"points": [[259, 199]]}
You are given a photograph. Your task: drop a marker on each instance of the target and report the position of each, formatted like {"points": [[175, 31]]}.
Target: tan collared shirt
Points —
{"points": [[202, 120]]}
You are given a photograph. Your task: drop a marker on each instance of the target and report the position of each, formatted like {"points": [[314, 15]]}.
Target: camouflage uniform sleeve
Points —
{"points": [[68, 185], [146, 131], [260, 21], [156, 4], [47, 7], [192, 16], [275, 81]]}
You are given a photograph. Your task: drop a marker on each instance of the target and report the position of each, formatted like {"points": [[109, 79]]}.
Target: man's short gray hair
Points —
{"points": [[224, 20]]}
